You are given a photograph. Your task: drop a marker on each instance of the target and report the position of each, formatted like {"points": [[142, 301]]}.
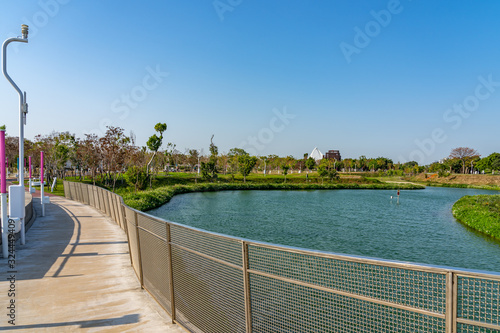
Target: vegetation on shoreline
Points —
{"points": [[479, 187], [149, 199], [483, 182], [480, 212]]}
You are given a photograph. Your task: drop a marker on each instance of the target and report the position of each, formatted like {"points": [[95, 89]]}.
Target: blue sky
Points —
{"points": [[409, 80]]}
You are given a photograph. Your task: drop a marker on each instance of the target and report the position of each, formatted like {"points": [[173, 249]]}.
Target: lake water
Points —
{"points": [[419, 229]]}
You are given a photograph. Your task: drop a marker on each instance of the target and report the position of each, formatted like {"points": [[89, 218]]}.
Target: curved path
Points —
{"points": [[74, 273]]}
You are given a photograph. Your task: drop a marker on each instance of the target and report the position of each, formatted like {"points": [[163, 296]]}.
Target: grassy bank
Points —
{"points": [[479, 187], [150, 199], [480, 212], [483, 182]]}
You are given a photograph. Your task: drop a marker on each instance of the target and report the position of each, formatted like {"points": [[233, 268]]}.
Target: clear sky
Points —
{"points": [[408, 80]]}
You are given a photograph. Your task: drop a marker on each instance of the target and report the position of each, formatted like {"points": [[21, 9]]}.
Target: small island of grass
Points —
{"points": [[480, 212]]}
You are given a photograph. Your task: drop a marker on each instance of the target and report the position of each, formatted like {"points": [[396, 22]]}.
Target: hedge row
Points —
{"points": [[150, 199]]}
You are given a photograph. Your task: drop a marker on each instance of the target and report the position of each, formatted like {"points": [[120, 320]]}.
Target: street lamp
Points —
{"points": [[199, 152], [23, 110]]}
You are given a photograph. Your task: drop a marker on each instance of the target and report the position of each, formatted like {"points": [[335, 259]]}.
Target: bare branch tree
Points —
{"points": [[464, 154]]}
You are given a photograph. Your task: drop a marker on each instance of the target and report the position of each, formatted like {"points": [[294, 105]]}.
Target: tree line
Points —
{"points": [[114, 158]]}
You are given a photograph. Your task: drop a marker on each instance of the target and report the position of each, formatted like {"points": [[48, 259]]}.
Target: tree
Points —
{"points": [[237, 152], [285, 168], [491, 162], [65, 146], [193, 158], [362, 162], [436, 167], [137, 177], [326, 169], [114, 147], [209, 169], [154, 143], [322, 171], [90, 154], [464, 154], [265, 159], [223, 162], [246, 164], [348, 164], [310, 163]]}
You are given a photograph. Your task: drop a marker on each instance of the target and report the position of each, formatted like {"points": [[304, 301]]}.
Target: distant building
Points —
{"points": [[316, 154], [333, 154]]}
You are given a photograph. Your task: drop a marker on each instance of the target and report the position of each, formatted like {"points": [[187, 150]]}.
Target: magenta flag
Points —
{"points": [[41, 168], [3, 186]]}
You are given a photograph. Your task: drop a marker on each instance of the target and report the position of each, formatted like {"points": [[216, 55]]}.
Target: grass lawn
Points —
{"points": [[58, 189], [480, 212]]}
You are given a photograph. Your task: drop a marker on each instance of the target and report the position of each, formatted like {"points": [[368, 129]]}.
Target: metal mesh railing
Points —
{"points": [[215, 283]]}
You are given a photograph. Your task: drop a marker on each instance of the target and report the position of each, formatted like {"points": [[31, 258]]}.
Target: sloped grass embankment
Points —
{"points": [[480, 212]]}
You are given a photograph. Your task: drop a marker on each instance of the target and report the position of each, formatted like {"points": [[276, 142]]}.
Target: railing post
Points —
{"points": [[450, 314], [455, 307], [141, 274], [171, 273], [246, 287], [80, 193], [126, 233]]}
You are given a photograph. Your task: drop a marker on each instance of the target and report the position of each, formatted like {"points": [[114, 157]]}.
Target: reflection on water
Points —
{"points": [[419, 229]]}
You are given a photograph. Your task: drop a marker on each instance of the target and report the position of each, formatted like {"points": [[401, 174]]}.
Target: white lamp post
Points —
{"points": [[23, 109]]}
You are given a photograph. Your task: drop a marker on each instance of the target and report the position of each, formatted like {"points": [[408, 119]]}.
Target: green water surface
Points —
{"points": [[419, 229]]}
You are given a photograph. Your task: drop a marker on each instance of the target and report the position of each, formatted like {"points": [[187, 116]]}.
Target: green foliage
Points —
{"points": [[160, 128], [209, 169], [326, 169], [410, 164], [136, 177], [150, 199], [310, 163], [480, 212], [285, 168], [214, 151], [443, 173], [491, 162], [332, 174], [154, 143], [322, 170], [246, 164], [436, 167], [394, 172], [236, 152]]}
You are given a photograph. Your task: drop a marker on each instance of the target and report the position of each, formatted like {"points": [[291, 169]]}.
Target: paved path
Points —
{"points": [[74, 274]]}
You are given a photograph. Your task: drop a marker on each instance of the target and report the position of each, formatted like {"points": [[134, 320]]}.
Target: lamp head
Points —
{"points": [[24, 31]]}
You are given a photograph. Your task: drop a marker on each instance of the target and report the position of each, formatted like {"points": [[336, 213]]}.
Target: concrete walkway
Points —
{"points": [[74, 274]]}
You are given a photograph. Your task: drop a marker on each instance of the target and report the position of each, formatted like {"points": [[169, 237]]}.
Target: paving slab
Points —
{"points": [[74, 274]]}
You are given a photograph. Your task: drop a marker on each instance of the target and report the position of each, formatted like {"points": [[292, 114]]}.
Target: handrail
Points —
{"points": [[209, 281]]}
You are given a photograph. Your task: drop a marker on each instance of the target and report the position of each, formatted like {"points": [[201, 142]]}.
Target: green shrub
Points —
{"points": [[480, 212], [150, 199]]}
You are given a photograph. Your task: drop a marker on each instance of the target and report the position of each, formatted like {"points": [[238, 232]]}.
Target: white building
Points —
{"points": [[316, 154]]}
